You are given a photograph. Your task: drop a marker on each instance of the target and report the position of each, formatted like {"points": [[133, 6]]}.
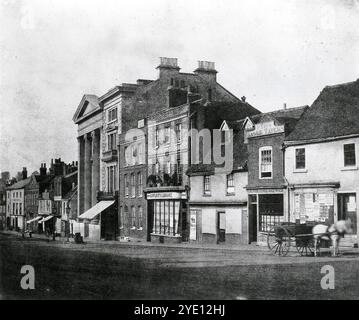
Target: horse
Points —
{"points": [[333, 233]]}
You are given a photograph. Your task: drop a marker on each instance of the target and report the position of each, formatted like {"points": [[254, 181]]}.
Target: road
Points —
{"points": [[119, 271]]}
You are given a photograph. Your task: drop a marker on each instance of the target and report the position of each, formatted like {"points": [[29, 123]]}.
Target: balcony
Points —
{"points": [[110, 155]]}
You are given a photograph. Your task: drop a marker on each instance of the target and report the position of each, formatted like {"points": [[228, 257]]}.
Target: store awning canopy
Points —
{"points": [[33, 220], [96, 210], [46, 219]]}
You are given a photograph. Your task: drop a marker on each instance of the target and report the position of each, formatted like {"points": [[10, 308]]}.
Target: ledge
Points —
{"points": [[353, 168]]}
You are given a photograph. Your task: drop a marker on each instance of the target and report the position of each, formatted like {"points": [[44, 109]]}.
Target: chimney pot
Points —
{"points": [[243, 99], [284, 106]]}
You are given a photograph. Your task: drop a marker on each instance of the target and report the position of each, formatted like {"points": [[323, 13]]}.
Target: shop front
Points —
{"points": [[167, 216], [266, 208]]}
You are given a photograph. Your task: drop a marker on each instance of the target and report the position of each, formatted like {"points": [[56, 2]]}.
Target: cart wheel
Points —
{"points": [[305, 246], [278, 241]]}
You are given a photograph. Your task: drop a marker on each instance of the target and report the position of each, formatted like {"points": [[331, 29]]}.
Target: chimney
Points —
{"points": [[206, 69], [284, 106], [43, 169], [243, 99], [168, 67], [24, 173]]}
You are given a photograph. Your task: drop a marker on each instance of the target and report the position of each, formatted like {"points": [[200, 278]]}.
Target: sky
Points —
{"points": [[54, 51]]}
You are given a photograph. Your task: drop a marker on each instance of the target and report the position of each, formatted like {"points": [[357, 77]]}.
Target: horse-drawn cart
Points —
{"points": [[286, 234]]}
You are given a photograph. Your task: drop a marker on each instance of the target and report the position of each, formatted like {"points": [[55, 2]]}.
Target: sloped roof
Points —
{"points": [[334, 113], [19, 185]]}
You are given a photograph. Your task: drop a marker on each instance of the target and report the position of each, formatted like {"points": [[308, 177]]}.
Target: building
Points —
{"points": [[2, 204], [99, 121], [133, 222], [267, 189], [218, 199], [321, 156], [15, 204]]}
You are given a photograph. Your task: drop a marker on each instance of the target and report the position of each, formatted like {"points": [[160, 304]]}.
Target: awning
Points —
{"points": [[96, 210], [46, 219], [33, 220]]}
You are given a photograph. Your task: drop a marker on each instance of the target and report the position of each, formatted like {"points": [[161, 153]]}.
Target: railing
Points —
{"points": [[109, 155]]}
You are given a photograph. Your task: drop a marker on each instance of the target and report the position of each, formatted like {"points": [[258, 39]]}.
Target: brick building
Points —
{"points": [[264, 135]]}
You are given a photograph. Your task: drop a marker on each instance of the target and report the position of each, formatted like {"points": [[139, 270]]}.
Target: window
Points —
{"points": [[167, 135], [133, 217], [210, 94], [157, 133], [178, 130], [300, 158], [139, 218], [134, 154], [207, 185], [126, 160], [230, 184], [112, 115], [265, 162], [126, 185], [349, 155], [111, 178], [111, 141], [133, 185], [140, 184], [168, 167]]}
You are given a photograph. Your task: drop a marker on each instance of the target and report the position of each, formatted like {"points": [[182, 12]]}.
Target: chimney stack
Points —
{"points": [[207, 70], [168, 67], [43, 169], [284, 106], [24, 173], [243, 99]]}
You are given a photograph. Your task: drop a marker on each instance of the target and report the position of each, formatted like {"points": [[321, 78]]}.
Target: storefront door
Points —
{"points": [[347, 209], [221, 227]]}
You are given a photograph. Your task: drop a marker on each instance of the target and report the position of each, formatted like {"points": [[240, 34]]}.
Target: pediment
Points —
{"points": [[88, 105]]}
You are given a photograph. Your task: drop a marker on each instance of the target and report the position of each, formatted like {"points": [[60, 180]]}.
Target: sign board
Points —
{"points": [[166, 195], [265, 128]]}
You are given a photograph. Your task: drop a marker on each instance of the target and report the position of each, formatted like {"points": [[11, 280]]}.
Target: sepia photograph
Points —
{"points": [[180, 155]]}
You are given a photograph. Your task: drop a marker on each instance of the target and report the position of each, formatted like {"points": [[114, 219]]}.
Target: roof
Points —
{"points": [[89, 105], [334, 113], [19, 185]]}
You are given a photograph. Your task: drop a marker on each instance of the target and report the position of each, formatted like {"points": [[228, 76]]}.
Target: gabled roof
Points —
{"points": [[89, 105], [19, 185], [334, 113]]}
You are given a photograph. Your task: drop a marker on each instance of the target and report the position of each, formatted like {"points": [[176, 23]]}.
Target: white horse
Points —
{"points": [[333, 233]]}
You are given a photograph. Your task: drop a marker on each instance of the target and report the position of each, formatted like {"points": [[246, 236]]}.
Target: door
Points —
{"points": [[347, 209], [221, 227], [252, 218]]}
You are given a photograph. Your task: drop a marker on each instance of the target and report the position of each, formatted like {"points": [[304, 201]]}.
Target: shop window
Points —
{"points": [[271, 211], [300, 158], [166, 217], [207, 185], [265, 162], [230, 184], [349, 155]]}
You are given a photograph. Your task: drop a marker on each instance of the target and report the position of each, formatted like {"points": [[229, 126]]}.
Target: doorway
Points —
{"points": [[221, 226], [252, 217], [347, 209]]}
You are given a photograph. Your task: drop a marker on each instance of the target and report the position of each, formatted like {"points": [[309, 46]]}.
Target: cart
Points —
{"points": [[282, 236]]}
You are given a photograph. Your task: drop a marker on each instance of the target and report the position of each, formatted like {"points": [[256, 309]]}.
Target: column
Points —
{"points": [[95, 165], [81, 175], [88, 172]]}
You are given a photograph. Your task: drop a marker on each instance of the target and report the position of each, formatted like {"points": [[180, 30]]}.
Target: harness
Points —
{"points": [[329, 233]]}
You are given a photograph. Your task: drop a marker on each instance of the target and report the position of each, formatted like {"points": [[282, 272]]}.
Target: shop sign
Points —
{"points": [[265, 128], [166, 195]]}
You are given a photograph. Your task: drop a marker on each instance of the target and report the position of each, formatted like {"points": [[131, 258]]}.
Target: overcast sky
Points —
{"points": [[54, 51]]}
